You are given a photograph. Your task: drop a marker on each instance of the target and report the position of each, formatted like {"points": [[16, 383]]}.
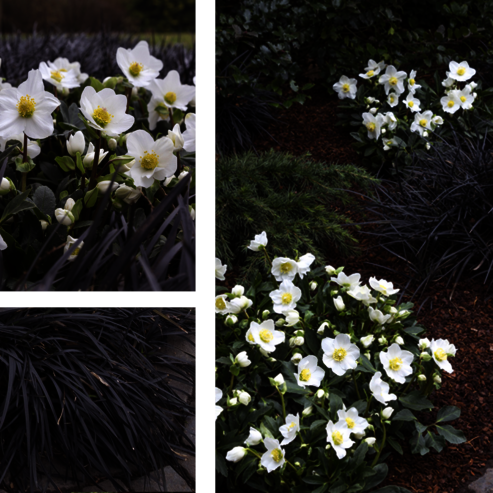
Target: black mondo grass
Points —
{"points": [[91, 394], [438, 216]]}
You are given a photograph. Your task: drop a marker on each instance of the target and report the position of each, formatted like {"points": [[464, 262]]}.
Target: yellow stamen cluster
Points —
{"points": [[277, 455], [286, 298], [337, 438], [450, 104], [250, 337], [350, 423], [286, 268], [395, 364], [220, 304], [135, 68], [370, 73], [56, 75], [440, 354], [392, 99], [292, 425], [463, 99], [423, 122], [102, 117], [339, 354], [461, 71], [266, 335], [393, 81], [26, 106], [345, 88], [170, 97], [149, 160], [412, 82], [370, 126], [305, 375], [410, 104]]}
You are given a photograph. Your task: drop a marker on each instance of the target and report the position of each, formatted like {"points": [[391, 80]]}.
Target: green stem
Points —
{"points": [[292, 466], [283, 405], [254, 452], [231, 383], [267, 255], [409, 384], [95, 163], [24, 160], [381, 446], [356, 385], [368, 405]]}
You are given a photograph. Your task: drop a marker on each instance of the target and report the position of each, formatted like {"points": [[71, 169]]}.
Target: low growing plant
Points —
{"points": [[319, 379]]}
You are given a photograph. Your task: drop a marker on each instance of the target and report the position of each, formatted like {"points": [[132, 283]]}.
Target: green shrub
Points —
{"points": [[291, 197]]}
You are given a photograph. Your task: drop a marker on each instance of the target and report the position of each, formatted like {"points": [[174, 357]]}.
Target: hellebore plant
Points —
{"points": [[332, 390]]}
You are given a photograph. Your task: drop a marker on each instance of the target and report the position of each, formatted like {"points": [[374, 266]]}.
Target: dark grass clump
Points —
{"points": [[439, 216], [91, 393], [299, 203]]}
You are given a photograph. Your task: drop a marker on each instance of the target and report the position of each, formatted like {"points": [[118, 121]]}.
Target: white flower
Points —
{"points": [[104, 185], [304, 264], [448, 82], [397, 363], [352, 421], [219, 395], [412, 103], [412, 86], [69, 204], [176, 138], [244, 398], [441, 349], [349, 282], [424, 344], [338, 436], [370, 441], [138, 65], [60, 78], [393, 99], [399, 340], [309, 373], [422, 122], [63, 65], [340, 354], [106, 111], [389, 143], [378, 316], [236, 454], [451, 102], [27, 109], [380, 389], [259, 242], [189, 133], [393, 80], [284, 269], [128, 194], [289, 430], [239, 304], [89, 157], [382, 286], [345, 88], [296, 358], [76, 143], [33, 148], [466, 98], [362, 293], [69, 244], [292, 318], [330, 270], [220, 270], [285, 298], [254, 438], [460, 71], [274, 457], [279, 379], [154, 160], [373, 124], [339, 303], [390, 120], [222, 305], [242, 359], [64, 217], [387, 412], [372, 70], [171, 91], [238, 290], [3, 245], [266, 336], [367, 340]]}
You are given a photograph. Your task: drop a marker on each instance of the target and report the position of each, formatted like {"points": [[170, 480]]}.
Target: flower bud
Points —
{"points": [[296, 358], [280, 322], [321, 329], [64, 217], [313, 285], [112, 144], [425, 356], [425, 134], [422, 378], [242, 359], [128, 194], [424, 344], [399, 340], [339, 303], [265, 314], [387, 412], [236, 454], [437, 379], [320, 393], [4, 186], [383, 130], [254, 438], [263, 352], [233, 401], [307, 411], [359, 436], [373, 110], [44, 224], [370, 441], [279, 379], [231, 320], [244, 398], [382, 340], [238, 290], [367, 340], [103, 186], [69, 204], [299, 341], [76, 143], [330, 270], [368, 355], [428, 146]]}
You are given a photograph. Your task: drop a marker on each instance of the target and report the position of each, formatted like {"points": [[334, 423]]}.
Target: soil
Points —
{"points": [[466, 320]]}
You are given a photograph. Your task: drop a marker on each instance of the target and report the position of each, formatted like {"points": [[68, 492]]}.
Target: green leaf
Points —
{"points": [[91, 197], [404, 415], [322, 488], [395, 445], [380, 472], [80, 165], [221, 465], [45, 200], [293, 86], [420, 427], [24, 167], [419, 443], [65, 162], [392, 489], [366, 365], [77, 209], [415, 400], [451, 434], [293, 388], [16, 205], [448, 413], [435, 441], [314, 480], [96, 84]]}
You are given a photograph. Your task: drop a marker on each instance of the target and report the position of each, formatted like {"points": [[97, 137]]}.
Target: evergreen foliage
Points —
{"points": [[296, 201]]}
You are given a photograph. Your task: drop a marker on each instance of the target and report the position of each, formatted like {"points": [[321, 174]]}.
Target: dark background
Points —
{"points": [[129, 16]]}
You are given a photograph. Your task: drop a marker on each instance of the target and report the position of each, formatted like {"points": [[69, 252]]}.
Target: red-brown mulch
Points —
{"points": [[466, 320]]}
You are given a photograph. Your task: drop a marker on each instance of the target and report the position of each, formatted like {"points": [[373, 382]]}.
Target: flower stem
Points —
{"points": [[292, 466], [254, 452], [24, 160], [356, 385], [382, 444], [94, 174], [283, 405], [231, 383]]}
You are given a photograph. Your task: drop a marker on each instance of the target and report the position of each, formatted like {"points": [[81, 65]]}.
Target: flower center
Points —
{"points": [[450, 104], [250, 337], [135, 68], [26, 106], [461, 71], [292, 425], [149, 161], [350, 423], [170, 97], [337, 438], [56, 75], [423, 122], [277, 455], [370, 73], [393, 81], [370, 126], [440, 354], [395, 364], [305, 375], [411, 82], [220, 304], [266, 335], [410, 104], [76, 251], [102, 117], [345, 88], [286, 268], [339, 354], [286, 298], [463, 99], [389, 143]]}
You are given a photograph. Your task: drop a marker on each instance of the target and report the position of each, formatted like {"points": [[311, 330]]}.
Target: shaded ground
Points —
{"points": [[466, 320]]}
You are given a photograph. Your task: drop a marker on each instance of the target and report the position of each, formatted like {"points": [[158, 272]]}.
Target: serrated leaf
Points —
{"points": [[45, 200]]}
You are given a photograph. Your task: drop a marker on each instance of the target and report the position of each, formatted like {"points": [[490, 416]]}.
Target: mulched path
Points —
{"points": [[466, 320]]}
